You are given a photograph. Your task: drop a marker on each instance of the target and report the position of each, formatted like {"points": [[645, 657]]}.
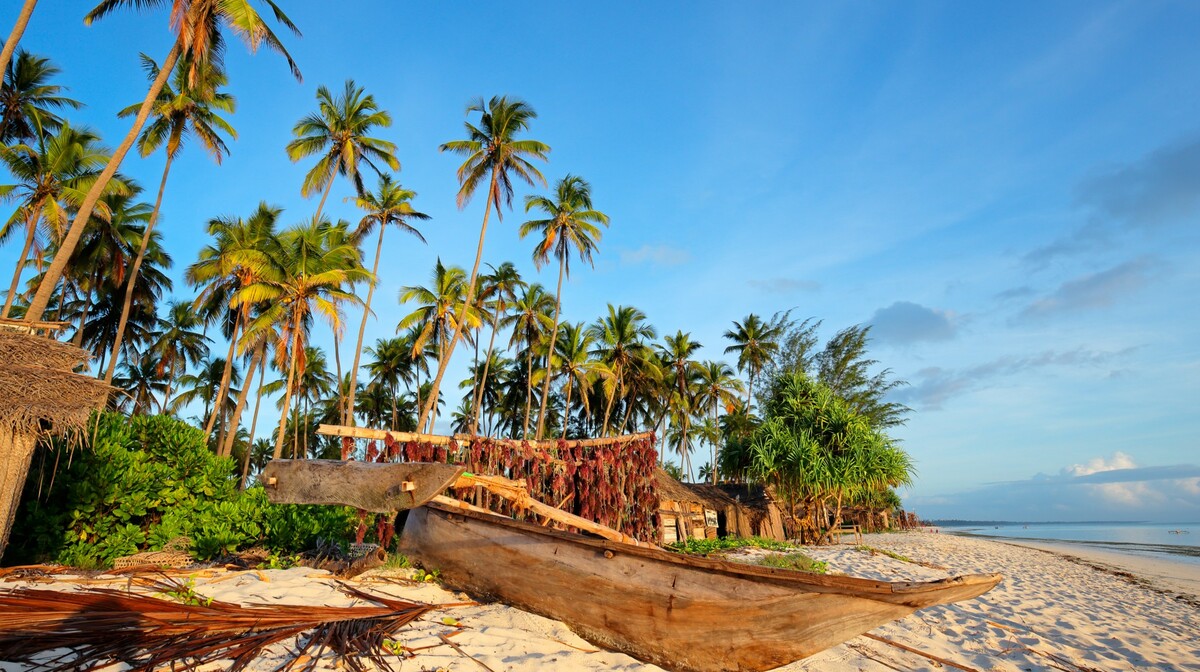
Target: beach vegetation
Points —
{"points": [[724, 544], [139, 483], [794, 561]]}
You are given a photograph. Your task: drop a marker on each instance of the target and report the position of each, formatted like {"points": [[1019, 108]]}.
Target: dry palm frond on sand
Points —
{"points": [[100, 627]]}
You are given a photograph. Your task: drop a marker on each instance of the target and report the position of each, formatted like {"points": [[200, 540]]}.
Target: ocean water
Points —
{"points": [[1155, 539]]}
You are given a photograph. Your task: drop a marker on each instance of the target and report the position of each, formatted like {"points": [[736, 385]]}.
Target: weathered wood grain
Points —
{"points": [[678, 612], [367, 485]]}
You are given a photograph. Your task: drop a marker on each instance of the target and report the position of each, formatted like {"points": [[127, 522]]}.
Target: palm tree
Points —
{"points": [[499, 291], [29, 100], [197, 29], [52, 178], [575, 365], [530, 321], [716, 385], [140, 382], [390, 205], [189, 107], [392, 363], [338, 133], [755, 343], [493, 152], [436, 316], [571, 223], [620, 340], [178, 344], [242, 250], [676, 356], [315, 262]]}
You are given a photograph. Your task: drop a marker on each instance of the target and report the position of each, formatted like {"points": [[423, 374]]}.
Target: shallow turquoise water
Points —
{"points": [[1142, 538]]}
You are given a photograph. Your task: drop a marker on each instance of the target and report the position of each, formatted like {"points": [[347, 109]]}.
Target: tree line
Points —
{"points": [[92, 257]]}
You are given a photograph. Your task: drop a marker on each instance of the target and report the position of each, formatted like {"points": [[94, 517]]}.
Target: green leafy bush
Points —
{"points": [[795, 561], [140, 482], [708, 546]]}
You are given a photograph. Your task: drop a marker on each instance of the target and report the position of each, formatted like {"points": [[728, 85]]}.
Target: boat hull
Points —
{"points": [[678, 612]]}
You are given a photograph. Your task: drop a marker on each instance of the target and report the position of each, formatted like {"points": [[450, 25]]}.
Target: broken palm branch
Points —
{"points": [[99, 627]]}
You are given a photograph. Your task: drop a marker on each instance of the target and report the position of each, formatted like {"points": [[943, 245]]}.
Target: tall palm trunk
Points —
{"points": [[30, 234], [262, 376], [10, 45], [328, 188], [287, 390], [444, 361], [226, 374], [236, 420], [487, 363], [567, 407], [131, 276], [620, 389], [53, 274], [362, 329], [714, 448], [562, 261], [528, 390], [341, 382]]}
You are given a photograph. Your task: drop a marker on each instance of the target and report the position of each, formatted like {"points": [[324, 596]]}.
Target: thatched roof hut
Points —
{"points": [[40, 394], [682, 513], [743, 510]]}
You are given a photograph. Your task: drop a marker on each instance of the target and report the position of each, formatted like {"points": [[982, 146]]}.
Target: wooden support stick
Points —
{"points": [[463, 439], [515, 492], [932, 657]]}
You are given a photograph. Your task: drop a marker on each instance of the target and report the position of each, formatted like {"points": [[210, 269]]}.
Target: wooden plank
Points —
{"points": [[516, 492], [367, 485], [463, 439]]}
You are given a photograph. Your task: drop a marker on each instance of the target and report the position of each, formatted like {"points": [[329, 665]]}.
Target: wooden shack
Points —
{"points": [[743, 510], [682, 513]]}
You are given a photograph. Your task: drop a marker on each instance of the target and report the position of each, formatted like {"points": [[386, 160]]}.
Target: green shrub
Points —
{"points": [[140, 482], [796, 561], [708, 546]]}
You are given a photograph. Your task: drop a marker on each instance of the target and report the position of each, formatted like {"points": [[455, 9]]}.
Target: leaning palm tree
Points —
{"points": [[316, 261], [52, 178], [493, 153], [755, 343], [196, 25], [389, 206], [339, 133], [187, 107], [15, 35], [30, 102], [570, 224]]}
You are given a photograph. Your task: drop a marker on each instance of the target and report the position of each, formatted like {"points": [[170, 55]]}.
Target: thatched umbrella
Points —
{"points": [[40, 395]]}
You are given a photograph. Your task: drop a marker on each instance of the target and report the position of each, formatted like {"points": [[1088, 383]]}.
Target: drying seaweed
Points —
{"points": [[99, 627]]}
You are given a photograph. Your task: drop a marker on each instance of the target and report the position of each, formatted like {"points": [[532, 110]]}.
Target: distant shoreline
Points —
{"points": [[1170, 570]]}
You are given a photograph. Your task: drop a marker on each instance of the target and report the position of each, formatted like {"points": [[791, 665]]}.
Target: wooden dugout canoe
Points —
{"points": [[678, 612]]}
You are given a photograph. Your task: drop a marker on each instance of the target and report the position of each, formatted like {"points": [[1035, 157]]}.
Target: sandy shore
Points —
{"points": [[1052, 612]]}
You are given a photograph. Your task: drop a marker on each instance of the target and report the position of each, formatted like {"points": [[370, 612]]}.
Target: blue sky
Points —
{"points": [[1009, 192]]}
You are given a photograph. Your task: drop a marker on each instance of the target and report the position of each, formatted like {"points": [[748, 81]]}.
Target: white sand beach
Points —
{"points": [[1051, 613]]}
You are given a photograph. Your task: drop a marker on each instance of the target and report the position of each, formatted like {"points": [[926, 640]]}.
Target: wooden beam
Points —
{"points": [[367, 485], [515, 492], [465, 439]]}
